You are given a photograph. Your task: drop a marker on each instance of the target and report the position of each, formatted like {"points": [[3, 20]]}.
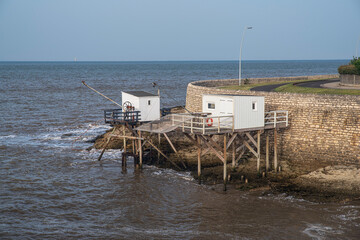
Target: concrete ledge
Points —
{"points": [[229, 82]]}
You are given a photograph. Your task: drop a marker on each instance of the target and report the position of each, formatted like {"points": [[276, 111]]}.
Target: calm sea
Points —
{"points": [[52, 188]]}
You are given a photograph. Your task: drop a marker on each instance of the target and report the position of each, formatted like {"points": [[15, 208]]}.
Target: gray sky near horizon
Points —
{"points": [[147, 30]]}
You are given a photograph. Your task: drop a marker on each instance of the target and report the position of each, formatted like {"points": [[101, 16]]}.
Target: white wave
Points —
{"points": [[7, 136], [319, 231]]}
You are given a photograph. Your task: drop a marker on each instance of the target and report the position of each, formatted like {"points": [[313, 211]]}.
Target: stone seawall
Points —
{"points": [[324, 129], [348, 79]]}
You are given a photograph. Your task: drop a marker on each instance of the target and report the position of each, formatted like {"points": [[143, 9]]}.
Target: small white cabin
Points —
{"points": [[248, 111], [147, 103]]}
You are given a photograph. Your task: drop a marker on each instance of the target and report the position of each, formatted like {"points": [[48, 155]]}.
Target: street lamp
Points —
{"points": [[242, 39], [357, 47]]}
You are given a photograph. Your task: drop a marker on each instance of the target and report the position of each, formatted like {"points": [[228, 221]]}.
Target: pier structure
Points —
{"points": [[201, 129]]}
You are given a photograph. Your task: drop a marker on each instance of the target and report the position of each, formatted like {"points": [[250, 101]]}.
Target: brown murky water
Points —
{"points": [[51, 188]]}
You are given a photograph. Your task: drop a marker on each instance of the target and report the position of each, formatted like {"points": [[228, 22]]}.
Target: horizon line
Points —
{"points": [[173, 60]]}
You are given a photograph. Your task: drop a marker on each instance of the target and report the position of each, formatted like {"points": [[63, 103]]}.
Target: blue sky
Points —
{"points": [[143, 30]]}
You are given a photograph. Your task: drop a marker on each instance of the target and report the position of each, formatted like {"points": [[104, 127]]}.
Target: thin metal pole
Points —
{"points": [[241, 44]]}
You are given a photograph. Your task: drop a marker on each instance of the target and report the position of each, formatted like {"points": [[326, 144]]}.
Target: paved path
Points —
{"points": [[313, 84]]}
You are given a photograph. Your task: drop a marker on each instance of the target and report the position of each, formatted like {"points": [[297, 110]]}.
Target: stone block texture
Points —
{"points": [[323, 129]]}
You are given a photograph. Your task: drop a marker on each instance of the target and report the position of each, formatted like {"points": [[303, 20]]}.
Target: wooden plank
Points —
{"points": [[209, 138], [199, 158], [258, 151], [233, 137], [240, 155], [267, 154], [211, 148], [171, 144], [243, 145], [191, 139], [275, 151], [160, 152], [173, 147], [140, 149], [128, 137], [251, 138], [250, 148], [205, 151], [225, 163]]}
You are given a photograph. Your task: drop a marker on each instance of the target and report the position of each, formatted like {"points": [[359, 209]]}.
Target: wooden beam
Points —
{"points": [[243, 145], [225, 162], [128, 137], [250, 148], [160, 152], [173, 147], [251, 138], [233, 155], [267, 154], [140, 149], [191, 139], [258, 151], [240, 155], [199, 158], [212, 149], [275, 151], [205, 151], [233, 137], [209, 138]]}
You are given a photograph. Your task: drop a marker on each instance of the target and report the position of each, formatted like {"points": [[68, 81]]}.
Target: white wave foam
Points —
{"points": [[319, 231], [7, 136]]}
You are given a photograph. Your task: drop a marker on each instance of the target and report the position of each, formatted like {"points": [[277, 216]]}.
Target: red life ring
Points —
{"points": [[209, 122]]}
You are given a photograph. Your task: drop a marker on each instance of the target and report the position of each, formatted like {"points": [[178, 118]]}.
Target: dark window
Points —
{"points": [[211, 105], [149, 102], [254, 106]]}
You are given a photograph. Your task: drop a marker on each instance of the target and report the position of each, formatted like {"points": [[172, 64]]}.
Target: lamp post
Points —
{"points": [[357, 47], [242, 39]]}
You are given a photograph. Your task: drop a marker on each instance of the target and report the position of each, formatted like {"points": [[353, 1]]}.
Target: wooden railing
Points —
{"points": [[203, 123], [117, 116], [277, 117]]}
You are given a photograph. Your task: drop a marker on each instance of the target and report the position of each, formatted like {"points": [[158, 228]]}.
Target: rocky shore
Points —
{"points": [[329, 183]]}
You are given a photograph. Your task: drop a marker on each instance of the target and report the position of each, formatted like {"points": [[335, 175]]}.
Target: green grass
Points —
{"points": [[290, 88]]}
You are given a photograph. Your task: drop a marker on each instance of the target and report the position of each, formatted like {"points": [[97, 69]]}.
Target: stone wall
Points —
{"points": [[323, 129], [348, 79]]}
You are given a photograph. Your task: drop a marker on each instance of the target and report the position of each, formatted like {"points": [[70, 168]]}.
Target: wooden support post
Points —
{"points": [[258, 152], [233, 154], [199, 158], [159, 142], [267, 154], [225, 157], [173, 147], [133, 146], [107, 143], [140, 149], [124, 148], [275, 151]]}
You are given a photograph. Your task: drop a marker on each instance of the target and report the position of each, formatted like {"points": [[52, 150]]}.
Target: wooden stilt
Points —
{"points": [[233, 154], [199, 158], [159, 143], [173, 147], [107, 143], [267, 155], [258, 152], [140, 150], [275, 151], [124, 148], [225, 157]]}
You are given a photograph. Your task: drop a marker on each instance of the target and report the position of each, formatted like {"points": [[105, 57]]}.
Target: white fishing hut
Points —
{"points": [[147, 103], [248, 111]]}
